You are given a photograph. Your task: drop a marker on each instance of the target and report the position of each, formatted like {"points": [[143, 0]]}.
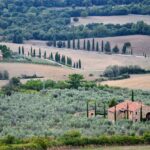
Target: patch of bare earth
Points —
{"points": [[135, 82]]}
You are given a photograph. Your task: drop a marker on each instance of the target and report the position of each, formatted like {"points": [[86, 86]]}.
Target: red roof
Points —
{"points": [[132, 106]]}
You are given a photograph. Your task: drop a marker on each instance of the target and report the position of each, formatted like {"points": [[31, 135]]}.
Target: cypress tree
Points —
{"points": [[54, 41], [104, 111], [74, 65], [84, 45], [95, 109], [68, 44], [31, 52], [93, 44], [115, 114], [141, 113], [69, 61], [56, 57], [63, 60], [73, 44], [87, 109], [88, 45], [97, 47], [22, 50], [51, 56], [59, 58], [131, 51], [79, 63], [39, 53], [102, 46], [28, 54], [107, 47], [19, 50], [127, 111], [132, 96], [64, 44], [78, 44], [34, 54], [45, 55]]}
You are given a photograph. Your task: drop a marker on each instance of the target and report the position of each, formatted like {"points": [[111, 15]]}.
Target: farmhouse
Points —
{"points": [[1, 56], [135, 111]]}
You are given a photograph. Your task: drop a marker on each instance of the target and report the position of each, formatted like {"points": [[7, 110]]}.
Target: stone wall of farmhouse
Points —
{"points": [[133, 115]]}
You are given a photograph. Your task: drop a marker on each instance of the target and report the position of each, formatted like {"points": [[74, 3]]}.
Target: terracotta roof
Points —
{"points": [[132, 106]]}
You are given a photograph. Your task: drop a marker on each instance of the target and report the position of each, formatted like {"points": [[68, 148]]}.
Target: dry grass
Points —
{"points": [[112, 19], [92, 62], [104, 148], [135, 82], [120, 148], [55, 73]]}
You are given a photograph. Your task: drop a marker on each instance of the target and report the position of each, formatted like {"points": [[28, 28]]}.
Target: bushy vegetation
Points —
{"points": [[6, 52], [36, 20], [73, 3], [56, 111], [115, 72], [70, 138]]}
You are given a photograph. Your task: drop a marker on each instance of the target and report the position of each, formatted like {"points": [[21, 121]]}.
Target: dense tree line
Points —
{"points": [[64, 3], [23, 20]]}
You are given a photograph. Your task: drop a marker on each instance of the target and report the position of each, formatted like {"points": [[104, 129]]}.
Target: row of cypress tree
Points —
{"points": [[91, 45], [58, 58]]}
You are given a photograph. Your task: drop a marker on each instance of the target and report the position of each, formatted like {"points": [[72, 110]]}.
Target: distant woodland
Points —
{"points": [[37, 19]]}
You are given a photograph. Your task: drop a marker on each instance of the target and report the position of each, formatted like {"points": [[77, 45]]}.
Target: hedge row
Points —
{"points": [[71, 139]]}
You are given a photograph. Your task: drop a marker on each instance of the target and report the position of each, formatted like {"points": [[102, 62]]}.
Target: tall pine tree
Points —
{"points": [[51, 56], [22, 50], [97, 46], [68, 44], [102, 46], [88, 45], [79, 63], [19, 50], [84, 45], [78, 44], [39, 53], [93, 44], [107, 47], [73, 44], [31, 51], [45, 55], [34, 54]]}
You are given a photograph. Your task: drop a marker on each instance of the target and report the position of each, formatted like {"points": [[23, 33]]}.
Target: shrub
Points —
{"points": [[124, 71], [33, 85], [75, 19], [9, 140], [147, 138]]}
